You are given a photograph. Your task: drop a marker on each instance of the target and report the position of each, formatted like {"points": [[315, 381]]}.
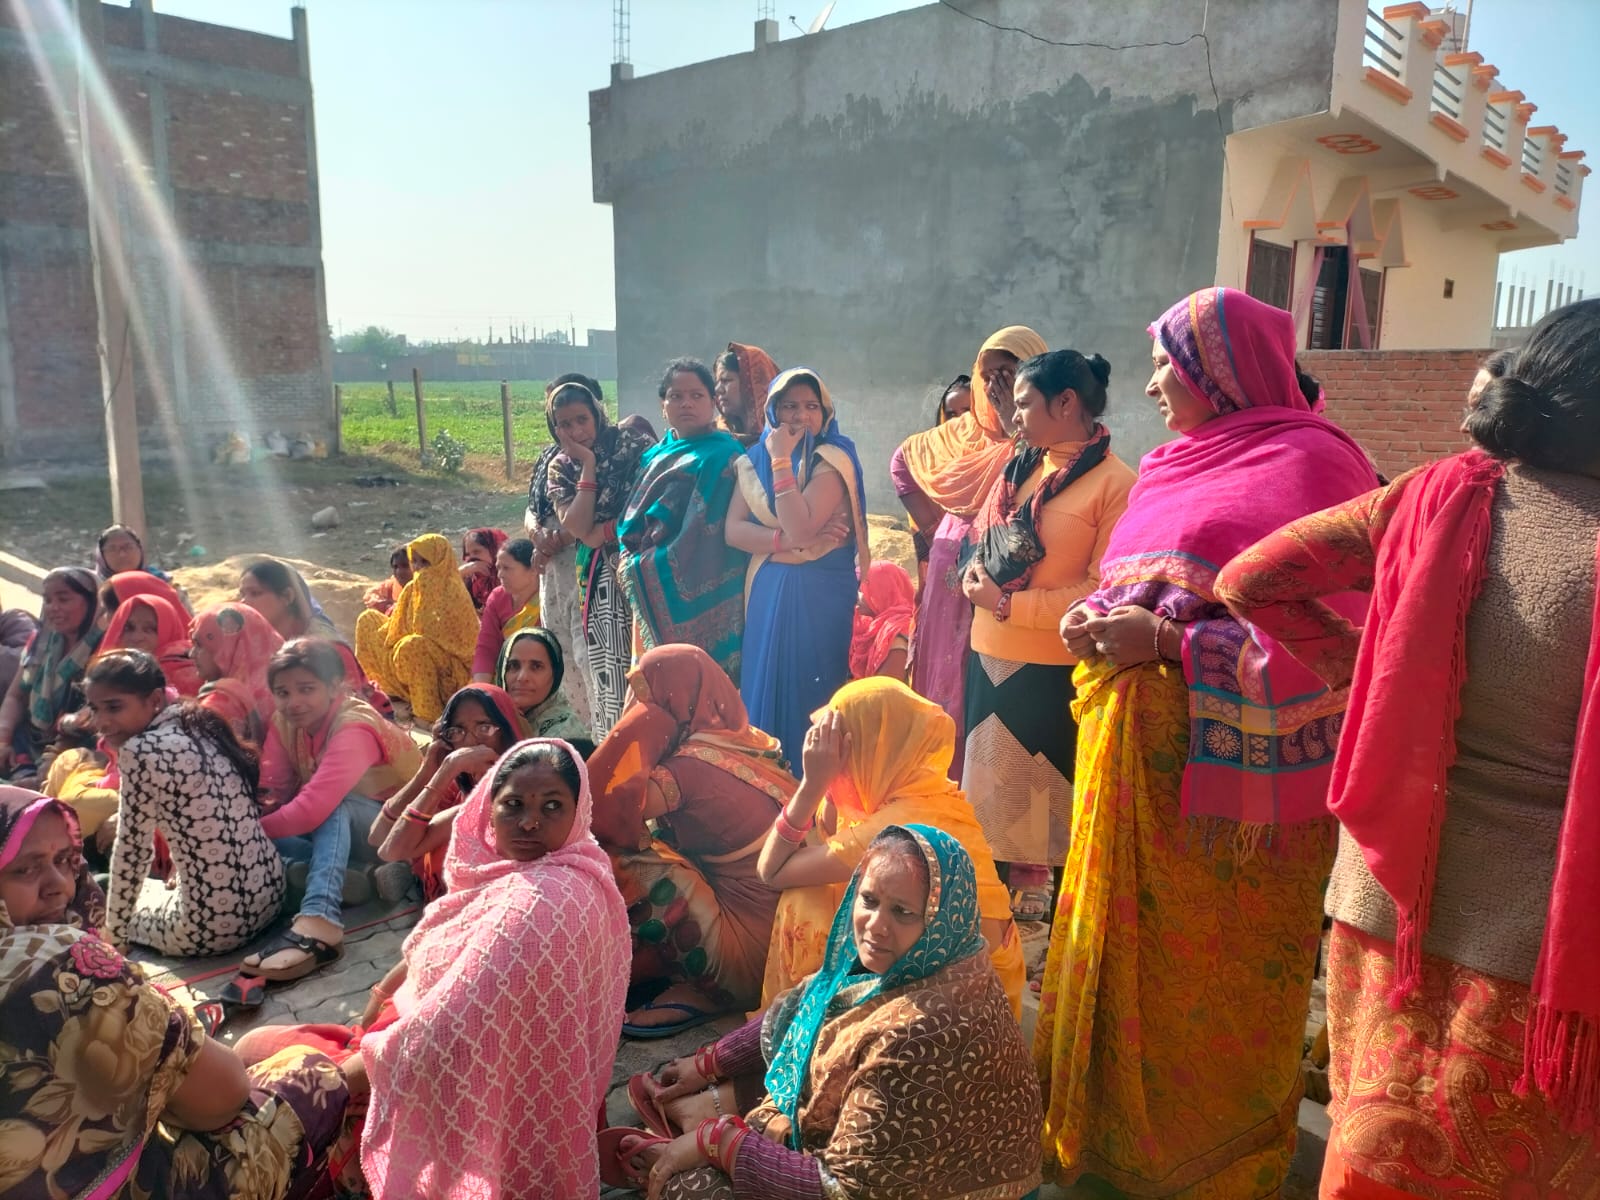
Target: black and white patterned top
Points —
{"points": [[230, 876]]}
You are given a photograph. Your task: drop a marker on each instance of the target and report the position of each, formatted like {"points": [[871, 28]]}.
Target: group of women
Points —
{"points": [[1185, 698]]}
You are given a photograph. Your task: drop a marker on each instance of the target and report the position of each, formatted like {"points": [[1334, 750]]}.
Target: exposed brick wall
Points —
{"points": [[230, 338], [1403, 406]]}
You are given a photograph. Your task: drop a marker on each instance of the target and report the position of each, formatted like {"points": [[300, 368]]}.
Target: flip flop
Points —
{"points": [[318, 953], [615, 1170], [211, 1014], [244, 992], [645, 1104], [646, 1033]]}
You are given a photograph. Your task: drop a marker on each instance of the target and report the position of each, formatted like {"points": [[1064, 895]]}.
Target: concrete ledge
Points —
{"points": [[21, 572]]}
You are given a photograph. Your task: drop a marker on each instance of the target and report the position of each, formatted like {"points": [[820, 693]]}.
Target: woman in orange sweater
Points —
{"points": [[1033, 552]]}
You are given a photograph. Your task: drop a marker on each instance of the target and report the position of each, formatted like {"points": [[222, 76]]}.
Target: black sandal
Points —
{"points": [[318, 954]]}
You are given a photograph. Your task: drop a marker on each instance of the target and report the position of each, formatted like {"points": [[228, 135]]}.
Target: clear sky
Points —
{"points": [[453, 139]]}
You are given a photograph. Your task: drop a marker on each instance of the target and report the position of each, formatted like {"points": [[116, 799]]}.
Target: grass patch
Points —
{"points": [[470, 411]]}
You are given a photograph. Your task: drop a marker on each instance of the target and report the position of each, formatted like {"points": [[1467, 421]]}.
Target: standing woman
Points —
{"points": [[478, 550], [683, 581], [590, 481], [1465, 886], [186, 777], [556, 560], [44, 690], [799, 514], [1036, 547], [744, 376], [532, 671], [421, 653], [942, 476], [512, 606], [1185, 940]]}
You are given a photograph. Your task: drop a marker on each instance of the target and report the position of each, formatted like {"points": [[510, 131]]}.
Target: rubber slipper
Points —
{"points": [[647, 1106], [211, 1014], [318, 953], [646, 1033], [245, 992], [614, 1168], [1030, 904]]}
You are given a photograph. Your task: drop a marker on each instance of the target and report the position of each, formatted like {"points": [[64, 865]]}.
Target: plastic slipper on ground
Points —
{"points": [[617, 1147], [645, 1033], [211, 1014], [318, 953], [244, 992], [644, 1101], [1030, 904]]}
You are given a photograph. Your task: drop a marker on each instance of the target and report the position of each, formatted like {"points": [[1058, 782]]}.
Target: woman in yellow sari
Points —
{"points": [[877, 755], [422, 652]]}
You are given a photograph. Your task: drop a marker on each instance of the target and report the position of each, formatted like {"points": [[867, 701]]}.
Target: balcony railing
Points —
{"points": [[1532, 157], [1382, 46], [1563, 179], [1448, 89], [1496, 122]]}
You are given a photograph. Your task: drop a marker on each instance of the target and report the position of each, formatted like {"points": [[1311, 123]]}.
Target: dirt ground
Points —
{"points": [[206, 526]]}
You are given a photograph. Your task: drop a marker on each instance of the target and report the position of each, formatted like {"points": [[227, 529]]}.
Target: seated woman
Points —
{"points": [[895, 1070], [330, 759], [161, 629], [119, 549], [422, 652], [798, 513], [688, 790], [112, 1089], [381, 597], [125, 585], [682, 579], [233, 646], [512, 606], [477, 570], [589, 485], [530, 671], [480, 723], [44, 690], [507, 1002], [880, 644], [879, 754], [183, 775], [17, 627]]}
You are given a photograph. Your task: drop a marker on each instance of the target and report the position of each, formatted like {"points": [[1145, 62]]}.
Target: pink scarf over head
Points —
{"points": [[1389, 789], [242, 642], [488, 1084], [1262, 726], [885, 589]]}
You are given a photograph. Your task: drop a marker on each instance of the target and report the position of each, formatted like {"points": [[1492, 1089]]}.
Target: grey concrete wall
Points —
{"points": [[876, 200]]}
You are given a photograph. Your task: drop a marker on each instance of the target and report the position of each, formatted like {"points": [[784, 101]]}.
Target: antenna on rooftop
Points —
{"points": [[764, 10], [819, 22], [621, 31]]}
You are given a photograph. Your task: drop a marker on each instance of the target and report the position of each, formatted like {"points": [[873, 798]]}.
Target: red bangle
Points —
{"points": [[731, 1155], [777, 541], [588, 485], [1002, 607], [705, 1062], [792, 834], [705, 1135]]}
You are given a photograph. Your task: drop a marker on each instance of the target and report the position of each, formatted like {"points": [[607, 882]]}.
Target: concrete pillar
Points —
{"points": [[766, 33], [302, 45], [10, 430], [621, 72]]}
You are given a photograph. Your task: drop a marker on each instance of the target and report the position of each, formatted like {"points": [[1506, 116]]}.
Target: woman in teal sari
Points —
{"points": [[895, 1070], [799, 512], [684, 582]]}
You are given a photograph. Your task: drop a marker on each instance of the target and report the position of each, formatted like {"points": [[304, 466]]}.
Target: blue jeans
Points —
{"points": [[327, 849]]}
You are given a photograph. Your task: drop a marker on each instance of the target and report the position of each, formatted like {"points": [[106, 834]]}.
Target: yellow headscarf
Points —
{"points": [[436, 603], [956, 463]]}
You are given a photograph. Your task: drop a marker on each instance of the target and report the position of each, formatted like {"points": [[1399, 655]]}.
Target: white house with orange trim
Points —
{"points": [[1381, 221]]}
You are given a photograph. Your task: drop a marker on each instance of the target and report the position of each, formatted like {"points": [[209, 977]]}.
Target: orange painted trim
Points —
{"points": [[1505, 97], [1253, 225], [1388, 85], [1468, 56], [1531, 183], [1571, 154], [1525, 111], [1450, 125], [1432, 38], [1396, 12], [1566, 203], [1585, 170], [1330, 224], [1543, 130], [1495, 157]]}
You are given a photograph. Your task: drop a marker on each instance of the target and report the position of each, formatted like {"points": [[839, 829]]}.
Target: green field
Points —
{"points": [[470, 411]]}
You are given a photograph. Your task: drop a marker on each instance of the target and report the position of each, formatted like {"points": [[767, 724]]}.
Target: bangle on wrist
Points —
{"points": [[415, 815], [1002, 607], [705, 1062], [1161, 628], [793, 834]]}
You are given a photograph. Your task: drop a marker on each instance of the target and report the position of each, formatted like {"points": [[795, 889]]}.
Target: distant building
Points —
{"points": [[875, 200], [217, 189]]}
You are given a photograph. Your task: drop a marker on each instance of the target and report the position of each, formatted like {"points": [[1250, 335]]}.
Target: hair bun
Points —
{"points": [[1512, 418], [1100, 368]]}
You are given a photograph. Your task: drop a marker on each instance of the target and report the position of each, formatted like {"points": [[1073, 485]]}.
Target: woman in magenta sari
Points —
{"points": [[1185, 939]]}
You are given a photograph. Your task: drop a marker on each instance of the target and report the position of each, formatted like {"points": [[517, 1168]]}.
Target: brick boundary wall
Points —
{"points": [[1403, 406]]}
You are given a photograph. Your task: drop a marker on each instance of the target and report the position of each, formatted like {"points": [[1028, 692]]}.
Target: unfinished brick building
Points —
{"points": [[216, 186]]}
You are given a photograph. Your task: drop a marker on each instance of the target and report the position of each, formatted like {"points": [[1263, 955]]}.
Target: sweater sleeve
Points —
{"points": [[486, 655], [739, 1053], [764, 1170], [351, 752], [134, 848]]}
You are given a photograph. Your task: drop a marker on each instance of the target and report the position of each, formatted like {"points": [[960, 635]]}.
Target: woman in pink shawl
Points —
{"points": [[488, 1082], [233, 644], [1185, 939]]}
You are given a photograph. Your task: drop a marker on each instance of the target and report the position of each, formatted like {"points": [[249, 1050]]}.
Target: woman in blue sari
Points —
{"points": [[680, 575], [896, 1070], [799, 514]]}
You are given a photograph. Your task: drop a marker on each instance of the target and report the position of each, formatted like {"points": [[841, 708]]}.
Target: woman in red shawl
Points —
{"points": [[744, 374], [1185, 940], [1463, 983], [153, 624], [685, 792], [478, 571], [884, 612]]}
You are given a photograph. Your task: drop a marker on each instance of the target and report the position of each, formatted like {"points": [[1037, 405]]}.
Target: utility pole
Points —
{"points": [[101, 191]]}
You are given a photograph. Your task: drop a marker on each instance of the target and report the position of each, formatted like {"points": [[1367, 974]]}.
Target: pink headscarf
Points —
{"points": [[488, 1084], [242, 642]]}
